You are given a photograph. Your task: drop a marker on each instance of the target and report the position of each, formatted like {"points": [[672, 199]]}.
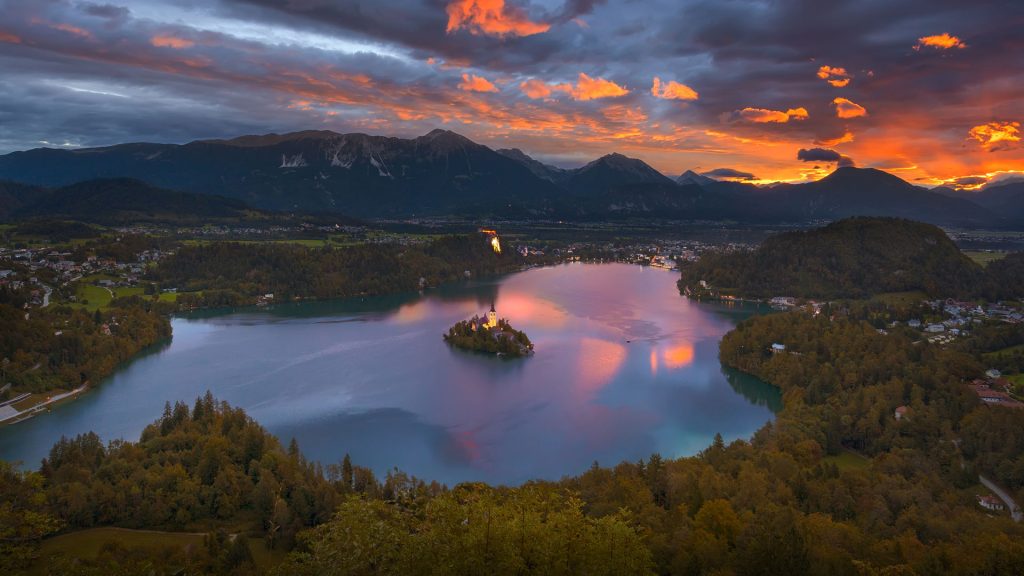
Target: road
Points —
{"points": [[1010, 504]]}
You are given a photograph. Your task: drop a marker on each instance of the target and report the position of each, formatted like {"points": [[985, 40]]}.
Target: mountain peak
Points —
{"points": [[863, 176], [439, 133], [691, 177], [621, 162]]}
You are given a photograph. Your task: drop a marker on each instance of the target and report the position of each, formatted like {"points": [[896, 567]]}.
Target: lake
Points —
{"points": [[624, 367]]}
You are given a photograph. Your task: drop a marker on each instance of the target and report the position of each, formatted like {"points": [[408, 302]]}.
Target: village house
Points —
{"points": [[990, 502]]}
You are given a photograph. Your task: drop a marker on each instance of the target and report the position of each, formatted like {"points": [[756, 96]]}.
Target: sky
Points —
{"points": [[754, 90]]}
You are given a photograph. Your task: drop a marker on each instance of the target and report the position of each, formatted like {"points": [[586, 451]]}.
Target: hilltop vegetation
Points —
{"points": [[116, 201], [61, 347], [855, 258], [230, 273], [777, 504]]}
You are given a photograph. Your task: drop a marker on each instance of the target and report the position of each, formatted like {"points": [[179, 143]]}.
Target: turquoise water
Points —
{"points": [[624, 367]]}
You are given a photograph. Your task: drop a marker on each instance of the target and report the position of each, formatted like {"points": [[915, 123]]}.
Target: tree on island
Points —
{"points": [[494, 336]]}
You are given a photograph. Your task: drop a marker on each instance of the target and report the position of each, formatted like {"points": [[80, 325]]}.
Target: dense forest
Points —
{"points": [[502, 339], [855, 258], [777, 504], [842, 372], [62, 347], [233, 273]]}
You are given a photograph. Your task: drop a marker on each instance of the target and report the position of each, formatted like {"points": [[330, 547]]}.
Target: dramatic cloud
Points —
{"points": [[823, 155], [837, 77], [846, 137], [849, 109], [940, 42], [535, 89], [672, 90], [68, 28], [474, 83], [89, 73], [491, 17], [728, 174], [763, 116], [171, 42], [969, 182], [996, 136], [586, 88]]}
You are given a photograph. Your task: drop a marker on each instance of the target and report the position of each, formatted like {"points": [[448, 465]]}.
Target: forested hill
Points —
{"points": [[120, 201], [851, 258], [227, 274]]}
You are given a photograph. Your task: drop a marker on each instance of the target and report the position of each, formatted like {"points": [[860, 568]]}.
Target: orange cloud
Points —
{"points": [[940, 42], [624, 114], [491, 17], [672, 90], [996, 135], [836, 76], [763, 115], [474, 83], [586, 88], [846, 137], [849, 109], [171, 42], [74, 30], [535, 89]]}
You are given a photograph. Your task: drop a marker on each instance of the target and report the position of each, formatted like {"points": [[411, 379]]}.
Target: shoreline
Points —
{"points": [[35, 409]]}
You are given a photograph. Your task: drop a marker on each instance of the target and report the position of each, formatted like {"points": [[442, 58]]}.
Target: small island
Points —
{"points": [[489, 335]]}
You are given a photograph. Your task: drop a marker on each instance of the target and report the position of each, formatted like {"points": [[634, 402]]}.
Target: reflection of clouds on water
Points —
{"points": [[372, 377], [530, 310], [597, 363]]}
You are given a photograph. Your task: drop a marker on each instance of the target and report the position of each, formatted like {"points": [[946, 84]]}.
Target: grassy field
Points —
{"points": [[1004, 351], [984, 257], [85, 544], [92, 297], [848, 461], [900, 298]]}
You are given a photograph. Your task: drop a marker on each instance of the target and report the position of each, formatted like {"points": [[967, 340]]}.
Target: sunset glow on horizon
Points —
{"points": [[701, 85]]}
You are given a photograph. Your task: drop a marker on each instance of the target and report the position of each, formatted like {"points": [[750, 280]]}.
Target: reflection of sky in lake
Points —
{"points": [[624, 367]]}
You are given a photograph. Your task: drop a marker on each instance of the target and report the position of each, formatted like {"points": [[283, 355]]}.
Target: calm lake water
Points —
{"points": [[624, 367]]}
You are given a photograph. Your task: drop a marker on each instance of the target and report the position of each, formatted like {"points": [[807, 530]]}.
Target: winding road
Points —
{"points": [[1010, 504]]}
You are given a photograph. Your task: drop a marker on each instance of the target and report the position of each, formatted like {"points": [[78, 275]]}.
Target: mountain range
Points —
{"points": [[444, 173]]}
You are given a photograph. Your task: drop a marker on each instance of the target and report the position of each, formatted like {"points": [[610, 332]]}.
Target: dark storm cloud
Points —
{"points": [[823, 155], [729, 174], [105, 10], [817, 155], [969, 181], [174, 70], [576, 8]]}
